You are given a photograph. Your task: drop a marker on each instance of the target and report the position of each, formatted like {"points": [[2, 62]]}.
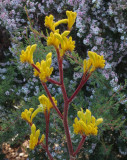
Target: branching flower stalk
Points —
{"points": [[47, 116], [85, 124]]}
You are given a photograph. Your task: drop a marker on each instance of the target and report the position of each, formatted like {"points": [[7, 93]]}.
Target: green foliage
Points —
{"points": [[14, 129], [75, 60], [11, 128], [8, 85]]}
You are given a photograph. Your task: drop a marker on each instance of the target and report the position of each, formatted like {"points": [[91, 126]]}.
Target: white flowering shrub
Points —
{"points": [[102, 25]]}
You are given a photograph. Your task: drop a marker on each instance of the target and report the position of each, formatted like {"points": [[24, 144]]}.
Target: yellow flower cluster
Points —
{"points": [[61, 40], [52, 40], [45, 101], [44, 67], [51, 24], [66, 43], [95, 61], [34, 137], [28, 116], [71, 18], [27, 56], [86, 124]]}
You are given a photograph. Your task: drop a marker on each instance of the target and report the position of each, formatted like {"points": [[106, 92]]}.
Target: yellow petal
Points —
{"points": [[99, 121]]}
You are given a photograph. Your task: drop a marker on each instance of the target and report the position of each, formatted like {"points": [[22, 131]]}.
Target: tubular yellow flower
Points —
{"points": [[65, 33], [36, 73], [34, 137], [38, 110], [60, 37], [86, 124], [28, 115], [86, 65], [42, 138], [45, 69], [71, 18], [45, 101], [50, 23], [66, 43], [27, 56], [52, 40], [97, 60], [61, 21]]}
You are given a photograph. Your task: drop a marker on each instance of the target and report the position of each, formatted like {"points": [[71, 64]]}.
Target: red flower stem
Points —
{"points": [[66, 128], [33, 65], [60, 61], [54, 82], [80, 145], [83, 81], [47, 116], [58, 58], [46, 128], [66, 106], [50, 97], [77, 90], [48, 93], [48, 153]]}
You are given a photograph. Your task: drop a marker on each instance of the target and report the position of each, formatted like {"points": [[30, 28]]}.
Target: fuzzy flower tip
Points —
{"points": [[52, 40], [28, 116], [71, 18], [45, 101], [44, 67], [86, 124], [27, 56], [66, 43], [86, 65], [50, 23], [34, 137], [95, 61]]}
